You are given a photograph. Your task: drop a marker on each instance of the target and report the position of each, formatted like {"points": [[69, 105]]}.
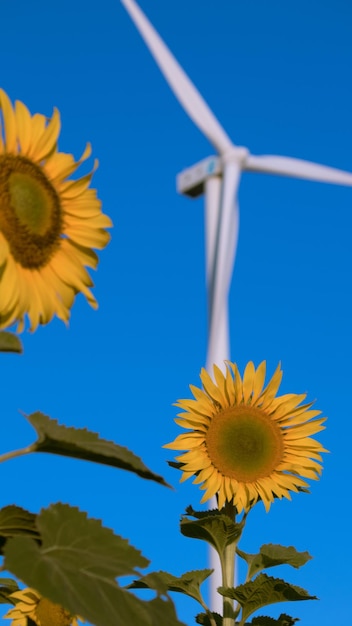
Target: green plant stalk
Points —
{"points": [[207, 611], [228, 577], [16, 453], [227, 560]]}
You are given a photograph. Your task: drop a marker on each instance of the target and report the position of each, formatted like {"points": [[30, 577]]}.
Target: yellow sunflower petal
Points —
{"points": [[8, 285], [60, 165], [259, 380], [211, 388], [47, 141], [230, 388], [248, 381], [304, 430], [10, 130], [237, 381], [201, 398], [272, 388], [37, 129], [72, 189], [182, 442], [88, 237], [23, 122], [220, 380], [193, 421]]}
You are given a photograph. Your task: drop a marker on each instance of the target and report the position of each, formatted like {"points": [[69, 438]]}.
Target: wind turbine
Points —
{"points": [[218, 179]]}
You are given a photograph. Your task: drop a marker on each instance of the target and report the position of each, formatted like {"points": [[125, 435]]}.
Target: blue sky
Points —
{"points": [[277, 75]]}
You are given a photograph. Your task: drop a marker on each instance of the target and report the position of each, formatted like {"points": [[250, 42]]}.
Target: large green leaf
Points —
{"points": [[262, 591], [80, 443], [282, 620], [189, 583], [76, 566], [271, 555], [16, 521], [10, 342], [214, 527], [7, 586], [162, 613]]}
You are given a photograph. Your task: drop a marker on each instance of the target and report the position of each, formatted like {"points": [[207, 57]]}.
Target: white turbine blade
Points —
{"points": [[297, 168], [183, 88]]}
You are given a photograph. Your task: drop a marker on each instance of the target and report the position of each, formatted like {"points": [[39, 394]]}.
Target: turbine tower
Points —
{"points": [[218, 178]]}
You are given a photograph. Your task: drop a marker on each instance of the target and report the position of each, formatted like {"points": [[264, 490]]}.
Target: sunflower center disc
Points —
{"points": [[31, 202], [244, 443], [30, 211]]}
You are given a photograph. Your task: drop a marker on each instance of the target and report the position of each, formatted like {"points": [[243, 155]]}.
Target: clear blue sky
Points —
{"points": [[278, 76]]}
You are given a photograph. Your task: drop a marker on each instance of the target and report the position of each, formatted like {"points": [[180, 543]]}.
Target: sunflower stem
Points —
{"points": [[228, 571], [15, 453]]}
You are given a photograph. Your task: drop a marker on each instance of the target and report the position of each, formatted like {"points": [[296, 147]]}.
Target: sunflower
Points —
{"points": [[48, 223], [31, 607], [246, 443]]}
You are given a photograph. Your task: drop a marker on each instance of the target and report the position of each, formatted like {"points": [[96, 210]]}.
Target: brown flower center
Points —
{"points": [[244, 443], [30, 211]]}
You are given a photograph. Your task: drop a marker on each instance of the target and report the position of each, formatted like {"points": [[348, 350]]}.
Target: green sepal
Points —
{"points": [[262, 591], [176, 464], [204, 619], [282, 620], [10, 342], [271, 555], [214, 526], [81, 443], [162, 582], [76, 566], [7, 586], [15, 521]]}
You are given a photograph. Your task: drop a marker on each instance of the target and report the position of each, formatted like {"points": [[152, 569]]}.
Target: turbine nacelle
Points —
{"points": [[190, 182]]}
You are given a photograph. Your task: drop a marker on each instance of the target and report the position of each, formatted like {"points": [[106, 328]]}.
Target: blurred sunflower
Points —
{"points": [[31, 607], [246, 443], [48, 224]]}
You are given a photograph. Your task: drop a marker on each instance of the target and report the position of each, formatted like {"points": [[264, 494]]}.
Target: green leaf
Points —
{"points": [[162, 613], [271, 555], [80, 443], [262, 591], [189, 583], [214, 527], [76, 567], [204, 619], [7, 586], [10, 342], [16, 521], [201, 514], [283, 620]]}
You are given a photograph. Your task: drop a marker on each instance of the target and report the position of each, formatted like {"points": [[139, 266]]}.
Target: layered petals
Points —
{"points": [[50, 224], [245, 444], [30, 605]]}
